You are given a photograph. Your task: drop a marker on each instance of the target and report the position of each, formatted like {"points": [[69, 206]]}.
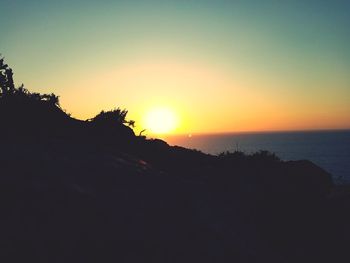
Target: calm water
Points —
{"points": [[328, 149]]}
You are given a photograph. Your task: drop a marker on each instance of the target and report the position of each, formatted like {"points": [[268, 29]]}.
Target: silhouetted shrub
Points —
{"points": [[113, 117], [235, 154], [7, 86], [265, 156], [8, 90], [257, 156], [21, 109]]}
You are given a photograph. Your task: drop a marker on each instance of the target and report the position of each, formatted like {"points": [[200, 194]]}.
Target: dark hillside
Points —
{"points": [[93, 191]]}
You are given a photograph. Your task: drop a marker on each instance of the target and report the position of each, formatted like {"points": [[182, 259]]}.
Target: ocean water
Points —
{"points": [[328, 149]]}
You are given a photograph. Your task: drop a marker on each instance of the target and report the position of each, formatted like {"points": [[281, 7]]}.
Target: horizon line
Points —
{"points": [[157, 136]]}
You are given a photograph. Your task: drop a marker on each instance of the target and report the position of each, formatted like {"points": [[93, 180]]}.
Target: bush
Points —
{"points": [[113, 117], [8, 91]]}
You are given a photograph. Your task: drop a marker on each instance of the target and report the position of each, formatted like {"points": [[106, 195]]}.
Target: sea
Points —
{"points": [[328, 149]]}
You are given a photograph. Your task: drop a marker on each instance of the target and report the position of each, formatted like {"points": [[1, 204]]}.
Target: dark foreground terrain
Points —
{"points": [[92, 191]]}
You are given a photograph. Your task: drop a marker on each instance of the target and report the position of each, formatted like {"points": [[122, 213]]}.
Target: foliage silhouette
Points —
{"points": [[260, 156], [7, 86], [27, 110], [9, 91], [113, 117]]}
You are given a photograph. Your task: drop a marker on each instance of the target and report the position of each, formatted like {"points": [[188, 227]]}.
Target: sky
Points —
{"points": [[219, 66]]}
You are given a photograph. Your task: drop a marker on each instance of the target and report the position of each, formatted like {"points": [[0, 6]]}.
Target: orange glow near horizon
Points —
{"points": [[202, 99]]}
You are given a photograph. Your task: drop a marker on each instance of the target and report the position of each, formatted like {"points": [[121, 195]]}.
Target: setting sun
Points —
{"points": [[160, 121]]}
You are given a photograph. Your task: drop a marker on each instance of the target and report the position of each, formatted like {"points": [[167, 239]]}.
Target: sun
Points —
{"points": [[160, 121]]}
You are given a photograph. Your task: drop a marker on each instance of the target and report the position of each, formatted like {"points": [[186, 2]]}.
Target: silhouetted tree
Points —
{"points": [[7, 85], [52, 99]]}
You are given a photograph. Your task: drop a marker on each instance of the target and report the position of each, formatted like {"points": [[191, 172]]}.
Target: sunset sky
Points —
{"points": [[218, 66]]}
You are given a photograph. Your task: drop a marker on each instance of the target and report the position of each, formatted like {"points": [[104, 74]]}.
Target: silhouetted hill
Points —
{"points": [[93, 191]]}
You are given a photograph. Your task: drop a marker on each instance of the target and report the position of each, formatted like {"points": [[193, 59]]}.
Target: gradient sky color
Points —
{"points": [[220, 65]]}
